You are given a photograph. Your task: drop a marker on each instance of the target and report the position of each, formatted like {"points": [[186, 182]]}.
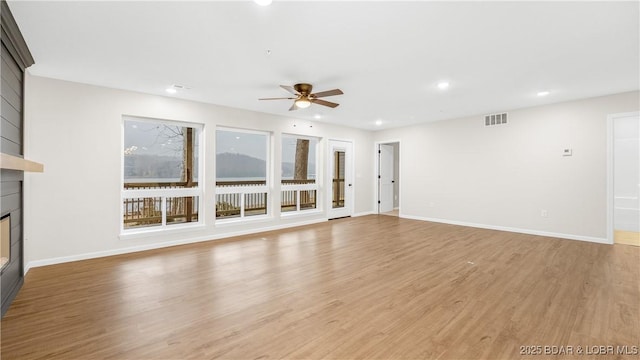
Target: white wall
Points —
{"points": [[460, 171], [72, 210], [455, 171]]}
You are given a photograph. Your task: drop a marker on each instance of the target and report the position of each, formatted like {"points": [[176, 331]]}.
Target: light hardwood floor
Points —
{"points": [[374, 287], [394, 212], [626, 237]]}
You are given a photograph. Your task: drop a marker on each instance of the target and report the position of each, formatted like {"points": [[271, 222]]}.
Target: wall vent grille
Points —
{"points": [[495, 119]]}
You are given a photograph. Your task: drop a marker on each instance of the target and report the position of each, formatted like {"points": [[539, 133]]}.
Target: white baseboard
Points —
{"points": [[137, 248], [511, 229], [364, 213], [145, 247]]}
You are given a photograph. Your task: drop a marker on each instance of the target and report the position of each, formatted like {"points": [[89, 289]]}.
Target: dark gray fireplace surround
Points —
{"points": [[15, 59]]}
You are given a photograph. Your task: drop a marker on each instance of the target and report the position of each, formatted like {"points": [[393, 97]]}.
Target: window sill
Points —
{"points": [[149, 232], [245, 220], [295, 214]]}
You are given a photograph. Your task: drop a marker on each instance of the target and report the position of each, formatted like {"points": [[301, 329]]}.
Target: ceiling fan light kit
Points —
{"points": [[304, 98], [303, 103]]}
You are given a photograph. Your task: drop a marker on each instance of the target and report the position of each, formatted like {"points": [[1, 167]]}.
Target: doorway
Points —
{"points": [[388, 165], [340, 179], [624, 178]]}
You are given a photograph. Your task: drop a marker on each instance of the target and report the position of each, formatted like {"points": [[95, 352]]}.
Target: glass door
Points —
{"points": [[340, 172], [338, 179]]}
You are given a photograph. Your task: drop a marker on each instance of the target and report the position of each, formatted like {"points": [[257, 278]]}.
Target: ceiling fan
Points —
{"points": [[304, 98]]}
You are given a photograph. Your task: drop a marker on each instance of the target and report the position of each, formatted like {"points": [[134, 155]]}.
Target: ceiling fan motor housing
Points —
{"points": [[304, 89]]}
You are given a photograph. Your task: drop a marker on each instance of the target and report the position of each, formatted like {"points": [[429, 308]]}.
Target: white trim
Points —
{"points": [[197, 192], [376, 163], [242, 220], [297, 189], [302, 187], [510, 229], [267, 188], [299, 136], [147, 193], [148, 232], [350, 209], [364, 213], [340, 139], [126, 194], [258, 189], [610, 234], [150, 119], [138, 248], [300, 213], [610, 191], [268, 133]]}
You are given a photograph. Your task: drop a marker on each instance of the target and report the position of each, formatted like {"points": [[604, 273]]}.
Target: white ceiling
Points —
{"points": [[386, 56]]}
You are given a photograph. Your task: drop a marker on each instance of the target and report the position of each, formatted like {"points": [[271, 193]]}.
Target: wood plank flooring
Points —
{"points": [[373, 287], [626, 237]]}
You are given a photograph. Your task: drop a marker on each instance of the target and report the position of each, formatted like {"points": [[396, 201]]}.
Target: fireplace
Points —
{"points": [[5, 240], [15, 58]]}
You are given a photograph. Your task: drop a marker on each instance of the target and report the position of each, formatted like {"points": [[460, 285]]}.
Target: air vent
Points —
{"points": [[495, 119]]}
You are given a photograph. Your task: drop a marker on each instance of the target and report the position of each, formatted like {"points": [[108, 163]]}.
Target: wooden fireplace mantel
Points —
{"points": [[17, 163]]}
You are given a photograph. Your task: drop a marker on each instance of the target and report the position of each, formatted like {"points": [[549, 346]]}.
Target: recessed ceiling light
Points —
{"points": [[176, 87], [443, 85], [317, 116], [543, 93], [263, 2], [378, 122]]}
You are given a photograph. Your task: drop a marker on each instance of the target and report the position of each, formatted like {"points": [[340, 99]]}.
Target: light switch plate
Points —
{"points": [[567, 152]]}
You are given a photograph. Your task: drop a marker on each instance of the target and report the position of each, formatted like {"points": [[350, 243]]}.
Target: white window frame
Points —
{"points": [[303, 187], [164, 193], [245, 190]]}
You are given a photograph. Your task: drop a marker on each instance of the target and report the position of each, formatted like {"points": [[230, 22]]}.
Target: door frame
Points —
{"points": [[376, 166], [610, 195], [350, 205], [383, 186]]}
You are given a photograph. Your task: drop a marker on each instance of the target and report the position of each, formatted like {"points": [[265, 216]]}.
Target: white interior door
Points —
{"points": [[340, 194], [385, 178], [626, 180]]}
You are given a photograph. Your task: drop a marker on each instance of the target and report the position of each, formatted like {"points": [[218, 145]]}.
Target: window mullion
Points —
{"points": [[163, 208], [242, 204]]}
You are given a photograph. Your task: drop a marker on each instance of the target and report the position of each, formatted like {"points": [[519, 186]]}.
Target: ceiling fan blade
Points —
{"points": [[278, 98], [293, 107], [327, 93], [290, 89], [323, 102]]}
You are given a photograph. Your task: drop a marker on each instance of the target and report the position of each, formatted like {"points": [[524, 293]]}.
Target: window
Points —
{"points": [[299, 185], [160, 173], [241, 173]]}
